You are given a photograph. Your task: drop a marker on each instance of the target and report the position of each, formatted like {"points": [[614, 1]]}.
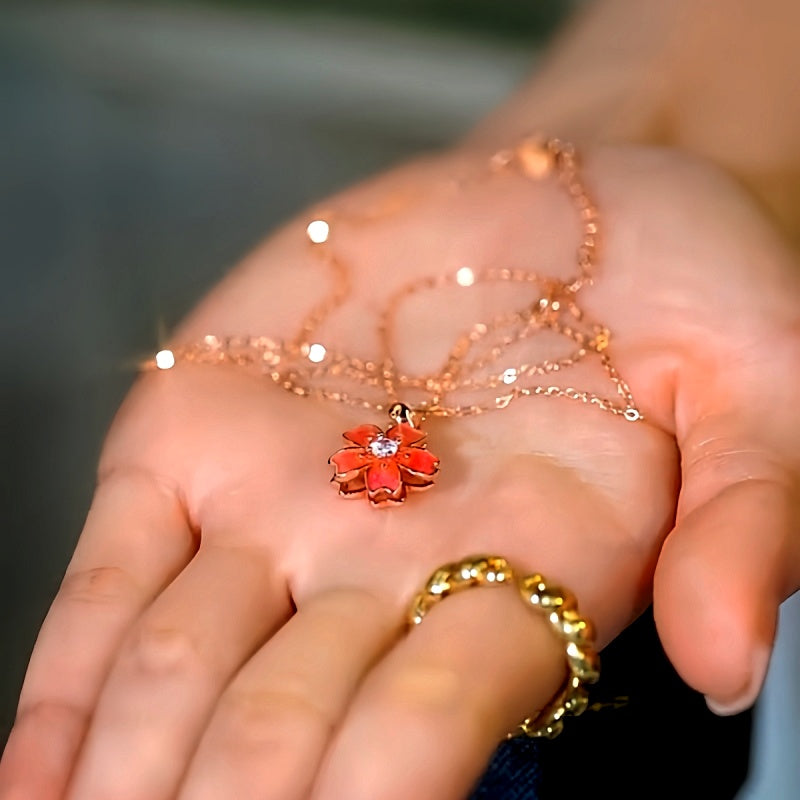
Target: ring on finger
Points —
{"points": [[560, 609]]}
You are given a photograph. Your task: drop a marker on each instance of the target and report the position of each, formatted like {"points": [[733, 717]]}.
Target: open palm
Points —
{"points": [[230, 627]]}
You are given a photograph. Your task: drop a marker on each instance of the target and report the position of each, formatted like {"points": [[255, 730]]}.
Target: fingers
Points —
{"points": [[429, 716], [274, 722], [732, 558], [136, 538], [170, 671]]}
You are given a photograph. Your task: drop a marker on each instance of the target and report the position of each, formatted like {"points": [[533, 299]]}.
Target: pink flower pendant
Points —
{"points": [[384, 465]]}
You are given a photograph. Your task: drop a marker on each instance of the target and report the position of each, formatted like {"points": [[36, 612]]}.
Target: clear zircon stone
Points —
{"points": [[383, 447]]}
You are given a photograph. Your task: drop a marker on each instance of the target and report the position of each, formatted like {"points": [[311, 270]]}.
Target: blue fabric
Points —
{"points": [[514, 773], [658, 741]]}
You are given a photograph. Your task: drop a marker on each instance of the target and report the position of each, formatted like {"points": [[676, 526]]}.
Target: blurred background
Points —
{"points": [[145, 148]]}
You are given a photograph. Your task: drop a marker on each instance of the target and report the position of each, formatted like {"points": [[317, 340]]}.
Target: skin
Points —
{"points": [[228, 626], [684, 74]]}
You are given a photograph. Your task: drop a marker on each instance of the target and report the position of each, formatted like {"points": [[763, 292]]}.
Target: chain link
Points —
{"points": [[303, 366]]}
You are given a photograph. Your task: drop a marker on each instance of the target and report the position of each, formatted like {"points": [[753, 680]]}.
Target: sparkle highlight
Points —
{"points": [[318, 231], [316, 353], [465, 277], [165, 359]]}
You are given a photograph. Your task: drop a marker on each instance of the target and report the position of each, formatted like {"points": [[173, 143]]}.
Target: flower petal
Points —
{"points": [[383, 474], [353, 488], [412, 481], [383, 497], [405, 434], [363, 434], [349, 461], [417, 461]]}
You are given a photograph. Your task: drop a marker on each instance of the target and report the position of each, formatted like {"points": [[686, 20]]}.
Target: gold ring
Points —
{"points": [[559, 608]]}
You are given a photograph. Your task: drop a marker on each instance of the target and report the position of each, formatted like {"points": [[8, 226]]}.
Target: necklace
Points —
{"points": [[386, 464]]}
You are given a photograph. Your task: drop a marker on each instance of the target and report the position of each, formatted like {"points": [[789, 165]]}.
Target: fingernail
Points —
{"points": [[723, 709], [726, 707]]}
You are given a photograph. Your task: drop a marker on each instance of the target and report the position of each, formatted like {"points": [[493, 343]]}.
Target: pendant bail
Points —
{"points": [[402, 414]]}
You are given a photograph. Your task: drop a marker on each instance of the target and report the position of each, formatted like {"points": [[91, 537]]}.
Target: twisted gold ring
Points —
{"points": [[559, 608]]}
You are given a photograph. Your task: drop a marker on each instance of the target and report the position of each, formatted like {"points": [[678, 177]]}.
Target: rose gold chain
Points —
{"points": [[304, 366]]}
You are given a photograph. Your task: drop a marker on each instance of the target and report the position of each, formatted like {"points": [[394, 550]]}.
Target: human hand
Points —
{"points": [[173, 663]]}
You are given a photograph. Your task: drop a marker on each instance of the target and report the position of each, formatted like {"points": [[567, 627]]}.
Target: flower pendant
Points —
{"points": [[384, 465]]}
